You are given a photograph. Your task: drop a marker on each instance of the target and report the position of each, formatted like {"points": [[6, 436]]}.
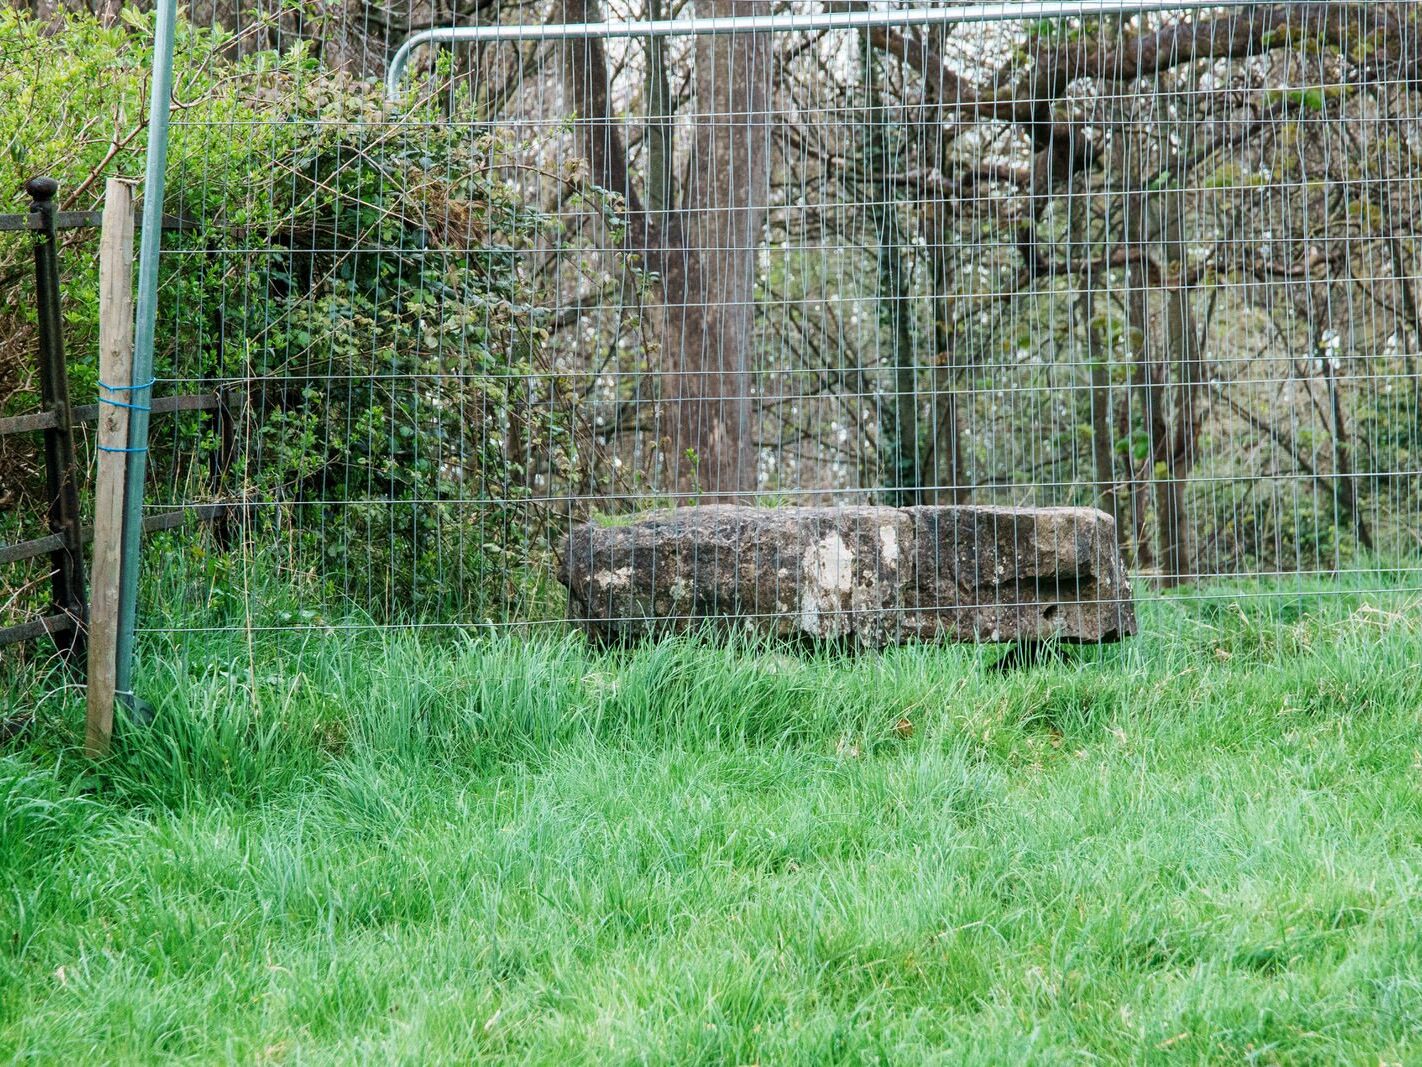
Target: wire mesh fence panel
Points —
{"points": [[1157, 262]]}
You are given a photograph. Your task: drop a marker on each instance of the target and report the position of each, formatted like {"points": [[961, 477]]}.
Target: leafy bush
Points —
{"points": [[370, 289], [354, 273], [72, 106]]}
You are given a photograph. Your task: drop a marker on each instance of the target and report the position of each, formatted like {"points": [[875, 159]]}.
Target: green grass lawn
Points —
{"points": [[1204, 845]]}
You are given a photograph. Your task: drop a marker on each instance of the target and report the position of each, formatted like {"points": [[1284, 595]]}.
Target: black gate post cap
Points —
{"points": [[42, 189]]}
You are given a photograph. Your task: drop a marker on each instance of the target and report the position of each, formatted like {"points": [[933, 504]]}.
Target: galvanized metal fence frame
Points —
{"points": [[397, 68]]}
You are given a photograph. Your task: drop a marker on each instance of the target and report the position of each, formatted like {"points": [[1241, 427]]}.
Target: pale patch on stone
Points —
{"points": [[827, 574], [889, 539], [829, 564], [809, 612], [618, 579]]}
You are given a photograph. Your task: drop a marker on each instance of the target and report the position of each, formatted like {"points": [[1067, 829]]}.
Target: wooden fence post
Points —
{"points": [[115, 401]]}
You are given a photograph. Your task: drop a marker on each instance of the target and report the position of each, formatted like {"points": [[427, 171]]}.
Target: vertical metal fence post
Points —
{"points": [[61, 485], [160, 98]]}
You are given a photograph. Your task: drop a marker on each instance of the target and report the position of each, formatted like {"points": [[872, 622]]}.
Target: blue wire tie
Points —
{"points": [[106, 448], [124, 404]]}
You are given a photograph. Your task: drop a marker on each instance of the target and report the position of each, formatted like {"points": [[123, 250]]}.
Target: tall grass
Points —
{"points": [[1202, 845]]}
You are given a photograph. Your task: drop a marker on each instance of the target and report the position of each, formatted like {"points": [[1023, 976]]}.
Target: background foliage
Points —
{"points": [[374, 255], [1165, 265]]}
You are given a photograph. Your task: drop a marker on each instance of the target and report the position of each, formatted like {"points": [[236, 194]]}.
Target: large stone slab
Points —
{"points": [[875, 574], [1017, 574]]}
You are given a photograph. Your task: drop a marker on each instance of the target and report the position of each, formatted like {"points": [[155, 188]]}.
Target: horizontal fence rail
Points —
{"points": [[44, 420]]}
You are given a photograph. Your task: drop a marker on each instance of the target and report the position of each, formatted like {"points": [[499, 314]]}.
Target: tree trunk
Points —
{"points": [[1166, 509], [710, 287], [1183, 354], [659, 127], [1183, 340], [1345, 492], [1099, 354], [898, 420], [1403, 274], [907, 476], [705, 252], [945, 476], [1144, 389]]}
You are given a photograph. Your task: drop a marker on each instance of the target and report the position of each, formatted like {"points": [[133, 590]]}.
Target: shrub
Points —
{"points": [[355, 273]]}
